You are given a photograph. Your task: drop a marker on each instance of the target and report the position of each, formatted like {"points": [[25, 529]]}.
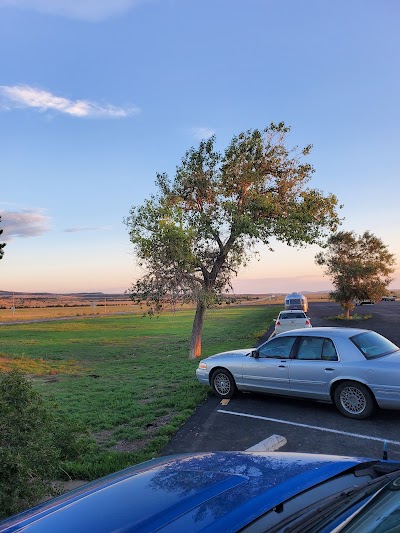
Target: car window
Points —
{"points": [[299, 315], [329, 351], [316, 348], [373, 345], [278, 347], [288, 316]]}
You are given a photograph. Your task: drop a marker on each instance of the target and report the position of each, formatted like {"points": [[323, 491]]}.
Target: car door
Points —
{"points": [[314, 365], [269, 370]]}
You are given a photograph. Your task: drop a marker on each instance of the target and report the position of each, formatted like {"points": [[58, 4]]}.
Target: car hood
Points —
{"points": [[220, 491], [238, 353]]}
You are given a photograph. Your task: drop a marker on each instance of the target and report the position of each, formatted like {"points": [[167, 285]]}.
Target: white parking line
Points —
{"points": [[318, 428]]}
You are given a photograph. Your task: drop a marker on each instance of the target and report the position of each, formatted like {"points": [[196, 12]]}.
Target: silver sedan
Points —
{"points": [[356, 369]]}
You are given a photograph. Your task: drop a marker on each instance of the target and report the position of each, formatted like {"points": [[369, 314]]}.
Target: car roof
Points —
{"points": [[329, 331], [187, 492]]}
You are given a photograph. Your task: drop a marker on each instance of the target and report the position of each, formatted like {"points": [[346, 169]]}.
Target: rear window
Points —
{"points": [[295, 301], [373, 345], [288, 316]]}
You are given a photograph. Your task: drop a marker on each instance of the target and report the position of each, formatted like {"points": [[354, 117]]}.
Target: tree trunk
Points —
{"points": [[347, 311], [197, 331]]}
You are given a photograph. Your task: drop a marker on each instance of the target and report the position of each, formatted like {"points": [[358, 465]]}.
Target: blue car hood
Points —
{"points": [[202, 492]]}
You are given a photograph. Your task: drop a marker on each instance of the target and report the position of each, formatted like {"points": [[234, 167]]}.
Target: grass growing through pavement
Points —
{"points": [[126, 378]]}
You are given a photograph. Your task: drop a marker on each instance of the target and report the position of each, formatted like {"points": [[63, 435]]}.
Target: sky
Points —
{"points": [[97, 96]]}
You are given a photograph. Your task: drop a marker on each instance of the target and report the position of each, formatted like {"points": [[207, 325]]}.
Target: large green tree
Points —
{"points": [[201, 227], [359, 266], [1, 244]]}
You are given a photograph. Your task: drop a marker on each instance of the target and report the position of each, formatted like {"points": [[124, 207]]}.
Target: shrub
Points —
{"points": [[34, 439], [28, 455]]}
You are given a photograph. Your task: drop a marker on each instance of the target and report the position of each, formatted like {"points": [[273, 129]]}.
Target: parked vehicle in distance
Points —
{"points": [[288, 320], [355, 369], [296, 302], [228, 491], [366, 301], [388, 298]]}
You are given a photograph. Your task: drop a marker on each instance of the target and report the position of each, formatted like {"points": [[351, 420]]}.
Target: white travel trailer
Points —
{"points": [[296, 301]]}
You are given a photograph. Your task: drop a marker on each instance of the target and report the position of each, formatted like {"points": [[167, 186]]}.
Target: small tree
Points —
{"points": [[200, 228], [359, 265], [34, 440], [28, 456], [2, 245]]}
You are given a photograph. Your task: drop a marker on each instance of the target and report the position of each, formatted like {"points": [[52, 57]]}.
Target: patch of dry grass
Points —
{"points": [[37, 367]]}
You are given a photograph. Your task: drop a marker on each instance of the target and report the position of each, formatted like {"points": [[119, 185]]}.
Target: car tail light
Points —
{"points": [[307, 322], [277, 323]]}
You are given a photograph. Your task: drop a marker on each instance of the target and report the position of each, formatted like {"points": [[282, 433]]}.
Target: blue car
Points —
{"points": [[229, 491]]}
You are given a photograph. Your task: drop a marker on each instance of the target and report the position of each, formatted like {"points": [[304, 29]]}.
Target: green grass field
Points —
{"points": [[126, 378]]}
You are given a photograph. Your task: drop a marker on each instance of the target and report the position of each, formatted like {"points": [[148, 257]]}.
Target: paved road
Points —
{"points": [[385, 317], [307, 426]]}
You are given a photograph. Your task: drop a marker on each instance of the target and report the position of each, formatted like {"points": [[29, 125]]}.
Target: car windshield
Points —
{"points": [[373, 345], [381, 515]]}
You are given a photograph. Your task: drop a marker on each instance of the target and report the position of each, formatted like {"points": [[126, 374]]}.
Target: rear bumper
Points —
{"points": [[387, 397]]}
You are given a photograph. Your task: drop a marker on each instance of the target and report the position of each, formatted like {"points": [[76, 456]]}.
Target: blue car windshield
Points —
{"points": [[382, 515], [373, 345]]}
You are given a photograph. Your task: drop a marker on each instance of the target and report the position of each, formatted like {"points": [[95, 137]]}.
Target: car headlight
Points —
{"points": [[203, 365]]}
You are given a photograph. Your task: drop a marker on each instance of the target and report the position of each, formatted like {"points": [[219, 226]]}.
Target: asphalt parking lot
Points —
{"points": [[301, 425]]}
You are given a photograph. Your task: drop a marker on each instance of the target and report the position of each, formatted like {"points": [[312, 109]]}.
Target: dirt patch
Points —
{"points": [[51, 380], [135, 445], [103, 436], [146, 401], [162, 421], [127, 446]]}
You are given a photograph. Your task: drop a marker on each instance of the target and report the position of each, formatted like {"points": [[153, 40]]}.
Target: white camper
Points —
{"points": [[296, 301]]}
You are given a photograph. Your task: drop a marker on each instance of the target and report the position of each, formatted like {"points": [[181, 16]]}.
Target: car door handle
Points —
{"points": [[329, 369], [282, 366]]}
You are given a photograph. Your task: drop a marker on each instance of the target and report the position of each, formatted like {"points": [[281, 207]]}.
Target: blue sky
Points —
{"points": [[97, 96]]}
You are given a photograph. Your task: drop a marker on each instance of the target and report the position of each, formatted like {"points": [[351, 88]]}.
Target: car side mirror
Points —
{"points": [[255, 354]]}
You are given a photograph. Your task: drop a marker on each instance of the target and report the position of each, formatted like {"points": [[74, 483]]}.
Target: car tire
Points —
{"points": [[223, 384], [354, 400]]}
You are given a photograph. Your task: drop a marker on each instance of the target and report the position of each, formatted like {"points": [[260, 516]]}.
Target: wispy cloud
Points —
{"points": [[202, 133], [24, 223], [76, 229], [90, 10], [25, 96]]}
